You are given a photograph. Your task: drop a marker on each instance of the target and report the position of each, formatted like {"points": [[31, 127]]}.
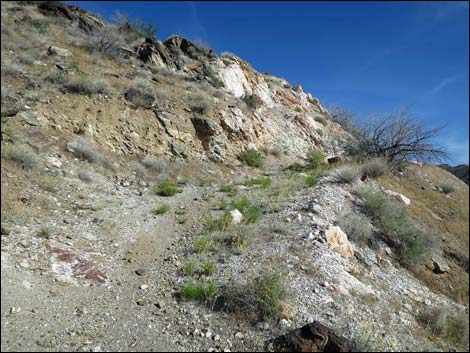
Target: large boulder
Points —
{"points": [[313, 337], [338, 242]]}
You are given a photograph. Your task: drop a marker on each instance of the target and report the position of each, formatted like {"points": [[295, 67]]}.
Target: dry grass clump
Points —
{"points": [[87, 86], [375, 167], [85, 150], [154, 164], [346, 174], [22, 155], [200, 104], [356, 225], [447, 187]]}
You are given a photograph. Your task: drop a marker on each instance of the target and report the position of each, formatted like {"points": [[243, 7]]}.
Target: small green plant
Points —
{"points": [[219, 224], [251, 213], [227, 187], [314, 159], [44, 233], [251, 157], [208, 268], [189, 269], [298, 109], [296, 167], [320, 132], [223, 204], [238, 237], [321, 120], [162, 209], [263, 182], [310, 181], [56, 78], [166, 188], [203, 244], [204, 182], [41, 25], [22, 155], [198, 291]]}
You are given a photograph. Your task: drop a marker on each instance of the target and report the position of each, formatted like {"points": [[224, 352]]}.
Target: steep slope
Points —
{"points": [[460, 171]]}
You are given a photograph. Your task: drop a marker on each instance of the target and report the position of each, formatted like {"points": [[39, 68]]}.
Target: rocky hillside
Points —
{"points": [[158, 197]]}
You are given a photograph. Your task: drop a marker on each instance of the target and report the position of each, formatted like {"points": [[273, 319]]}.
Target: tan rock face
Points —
{"points": [[338, 241]]}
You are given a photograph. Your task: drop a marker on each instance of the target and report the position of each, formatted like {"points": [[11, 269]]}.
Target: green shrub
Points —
{"points": [[296, 167], [227, 187], [85, 150], [375, 167], [56, 78], [251, 213], [153, 164], [203, 244], [259, 300], [251, 157], [41, 25], [204, 182], [310, 181], [22, 155], [321, 120], [208, 268], [198, 291], [237, 237], [86, 86], [162, 209], [189, 269], [264, 182], [314, 159], [166, 188], [219, 224], [44, 233], [320, 132], [441, 322], [357, 226]]}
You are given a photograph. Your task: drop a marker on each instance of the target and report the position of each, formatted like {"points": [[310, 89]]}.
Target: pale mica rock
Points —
{"points": [[338, 242], [236, 216]]}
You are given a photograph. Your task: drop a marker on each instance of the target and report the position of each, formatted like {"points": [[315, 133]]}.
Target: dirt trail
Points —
{"points": [[119, 314]]}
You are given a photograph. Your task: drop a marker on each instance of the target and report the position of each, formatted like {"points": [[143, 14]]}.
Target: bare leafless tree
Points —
{"points": [[398, 137]]}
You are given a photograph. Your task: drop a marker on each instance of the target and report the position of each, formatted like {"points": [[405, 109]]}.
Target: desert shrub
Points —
{"points": [[314, 159], [162, 209], [215, 79], [26, 60], [200, 104], [375, 167], [447, 187], [320, 132], [260, 299], [56, 78], [49, 182], [440, 321], [252, 101], [203, 244], [357, 226], [251, 157], [140, 93], [321, 120], [296, 167], [396, 226], [107, 42], [9, 69], [22, 155], [41, 25], [251, 213], [263, 182], [86, 86], [198, 291], [346, 174], [166, 188], [226, 187], [204, 182], [85, 150], [345, 118], [153, 164]]}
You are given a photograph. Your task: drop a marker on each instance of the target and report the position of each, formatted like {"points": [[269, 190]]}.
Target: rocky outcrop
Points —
{"points": [[338, 242], [313, 337]]}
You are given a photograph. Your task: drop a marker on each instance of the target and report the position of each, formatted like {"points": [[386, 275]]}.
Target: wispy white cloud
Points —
{"points": [[442, 84]]}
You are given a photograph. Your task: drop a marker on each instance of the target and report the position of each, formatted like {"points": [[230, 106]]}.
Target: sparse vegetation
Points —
{"points": [[260, 299], [251, 157], [162, 209], [310, 181], [314, 159], [321, 120], [85, 176], [346, 174], [237, 237], [153, 164], [44, 233], [219, 224], [200, 104], [252, 101], [166, 188], [396, 226], [357, 226], [10, 69], [251, 213], [87, 86], [203, 244], [447, 187], [208, 267], [22, 155], [199, 291], [56, 78], [85, 150], [375, 167], [189, 269]]}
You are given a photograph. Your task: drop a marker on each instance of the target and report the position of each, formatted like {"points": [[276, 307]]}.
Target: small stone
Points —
{"points": [[140, 272], [208, 334], [325, 284], [15, 310], [160, 304], [427, 302], [24, 264], [140, 302], [143, 286], [196, 332], [211, 349], [239, 335], [262, 326], [284, 324], [5, 229], [236, 215], [216, 338]]}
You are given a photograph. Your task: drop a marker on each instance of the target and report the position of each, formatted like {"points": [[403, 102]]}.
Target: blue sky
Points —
{"points": [[370, 57]]}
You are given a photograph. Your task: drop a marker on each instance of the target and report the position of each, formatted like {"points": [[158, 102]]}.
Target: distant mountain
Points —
{"points": [[460, 171]]}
